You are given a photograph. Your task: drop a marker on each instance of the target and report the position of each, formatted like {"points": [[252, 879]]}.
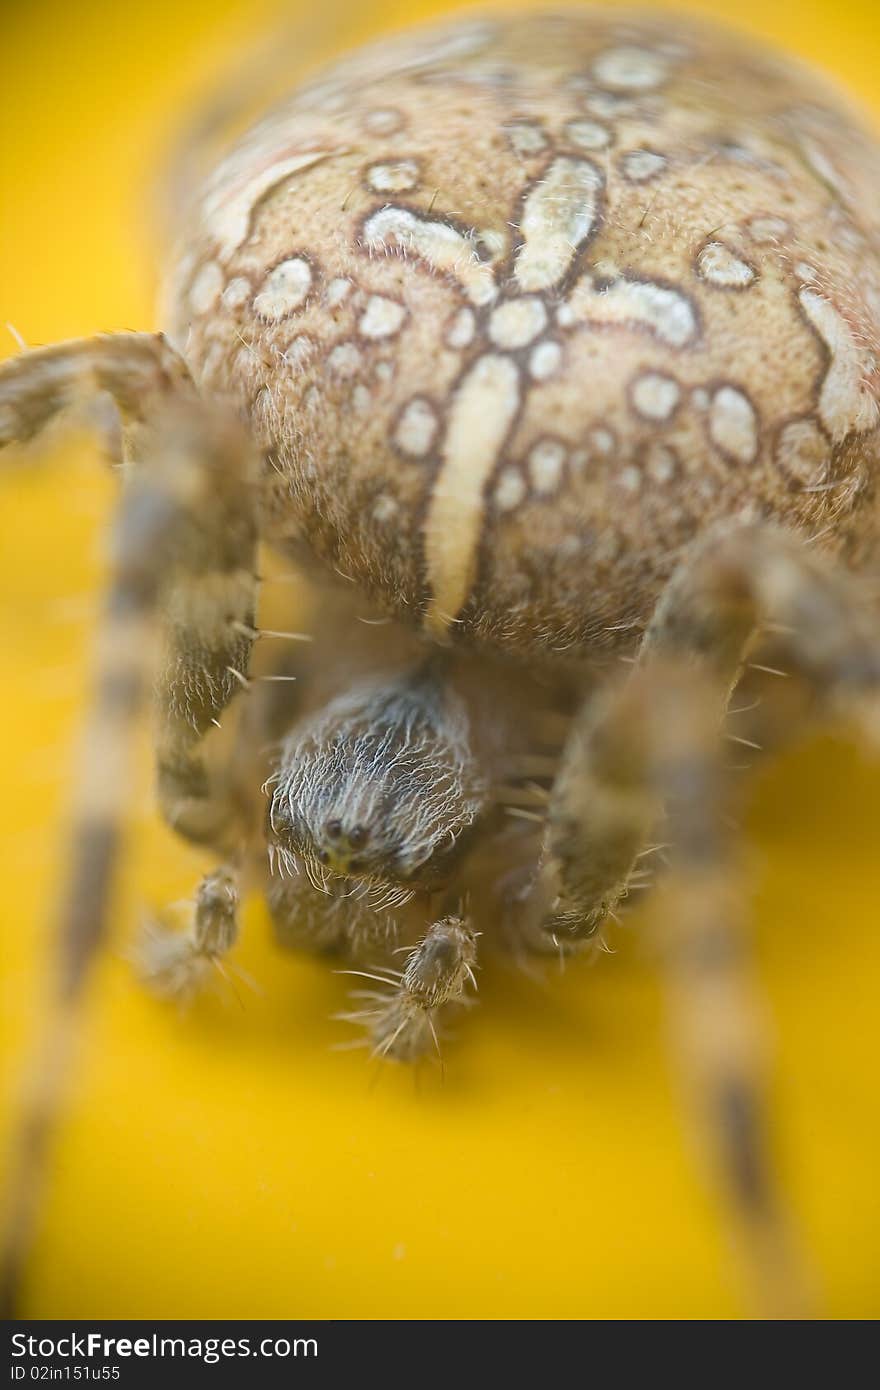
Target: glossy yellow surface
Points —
{"points": [[228, 1162]]}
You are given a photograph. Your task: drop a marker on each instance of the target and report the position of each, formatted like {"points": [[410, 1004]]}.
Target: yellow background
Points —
{"points": [[228, 1162]]}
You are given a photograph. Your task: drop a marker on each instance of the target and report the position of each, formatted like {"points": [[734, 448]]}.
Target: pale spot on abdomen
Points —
{"points": [[733, 424], [237, 293], [526, 138], [383, 120], [767, 230], [338, 291], [517, 322], [545, 360], [509, 490], [803, 452], [560, 213], [345, 359], [284, 289], [846, 402], [442, 247], [382, 317], [588, 135], [602, 441], [630, 69], [461, 330], [385, 508], [546, 462], [717, 265], [638, 166], [416, 428], [655, 396], [642, 305], [206, 287], [393, 176], [661, 463], [300, 350], [481, 415]]}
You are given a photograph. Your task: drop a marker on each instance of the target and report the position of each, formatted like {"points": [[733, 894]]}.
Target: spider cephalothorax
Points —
{"points": [[535, 342], [378, 788]]}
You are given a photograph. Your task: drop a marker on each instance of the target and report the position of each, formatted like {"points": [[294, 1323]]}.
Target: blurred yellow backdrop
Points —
{"points": [[227, 1162]]}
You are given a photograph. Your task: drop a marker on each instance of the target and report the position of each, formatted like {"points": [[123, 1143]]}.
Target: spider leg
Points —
{"points": [[601, 814], [205, 582], [180, 581], [735, 584], [713, 1005], [402, 1020], [652, 747], [648, 747], [173, 965], [208, 607], [744, 582], [141, 371]]}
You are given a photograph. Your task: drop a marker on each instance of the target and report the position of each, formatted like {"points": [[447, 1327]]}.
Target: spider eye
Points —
{"points": [[357, 836], [333, 828]]}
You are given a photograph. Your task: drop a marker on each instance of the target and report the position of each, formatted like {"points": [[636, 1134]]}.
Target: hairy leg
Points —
{"points": [[651, 748], [600, 815], [402, 1018], [715, 1015], [734, 586], [173, 965], [190, 477], [187, 460], [141, 371], [208, 602], [742, 583], [398, 1008]]}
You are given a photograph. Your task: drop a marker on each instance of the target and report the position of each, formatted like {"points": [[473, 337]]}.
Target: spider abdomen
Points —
{"points": [[519, 307]]}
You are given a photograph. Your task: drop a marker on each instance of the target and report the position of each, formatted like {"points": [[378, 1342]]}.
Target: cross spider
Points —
{"points": [[519, 338]]}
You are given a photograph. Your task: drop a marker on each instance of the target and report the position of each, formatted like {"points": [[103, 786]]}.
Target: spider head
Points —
{"points": [[380, 788]]}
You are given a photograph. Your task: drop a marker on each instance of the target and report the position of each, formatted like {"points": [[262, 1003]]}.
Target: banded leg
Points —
{"points": [[601, 812], [401, 1019], [713, 612], [192, 471], [141, 371], [652, 748], [714, 1013], [206, 581], [737, 584], [208, 605], [741, 583], [654, 743], [173, 965]]}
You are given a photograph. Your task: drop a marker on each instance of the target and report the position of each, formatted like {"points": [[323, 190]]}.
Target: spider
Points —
{"points": [[556, 377]]}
